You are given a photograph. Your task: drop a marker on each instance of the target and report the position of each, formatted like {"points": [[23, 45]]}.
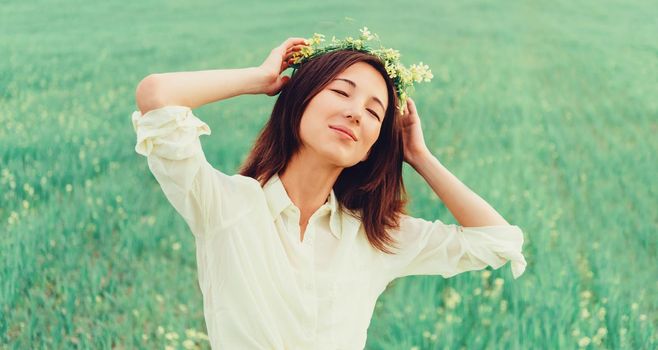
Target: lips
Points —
{"points": [[345, 130]]}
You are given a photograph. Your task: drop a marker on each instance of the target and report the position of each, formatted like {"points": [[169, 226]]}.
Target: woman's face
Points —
{"points": [[356, 99]]}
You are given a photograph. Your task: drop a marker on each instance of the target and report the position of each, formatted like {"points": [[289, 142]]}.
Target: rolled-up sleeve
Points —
{"points": [[169, 138], [434, 248]]}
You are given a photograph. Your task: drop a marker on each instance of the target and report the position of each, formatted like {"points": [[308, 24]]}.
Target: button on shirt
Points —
{"points": [[263, 287]]}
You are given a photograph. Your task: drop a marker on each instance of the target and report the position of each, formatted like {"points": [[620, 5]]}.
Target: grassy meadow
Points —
{"points": [[546, 110]]}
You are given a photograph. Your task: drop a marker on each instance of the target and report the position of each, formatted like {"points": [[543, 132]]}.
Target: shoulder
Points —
{"points": [[238, 184]]}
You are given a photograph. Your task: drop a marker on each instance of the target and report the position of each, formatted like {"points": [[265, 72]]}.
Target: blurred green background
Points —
{"points": [[548, 110]]}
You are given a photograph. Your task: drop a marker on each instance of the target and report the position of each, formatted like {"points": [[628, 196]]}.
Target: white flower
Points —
{"points": [[365, 34]]}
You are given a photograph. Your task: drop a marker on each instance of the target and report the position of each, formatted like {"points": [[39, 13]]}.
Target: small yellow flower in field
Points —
{"points": [[136, 312], [503, 305], [175, 246], [145, 337], [477, 291], [99, 299], [189, 344], [171, 336], [601, 313], [498, 282], [161, 330], [13, 218], [69, 187], [602, 331], [643, 317], [28, 189], [159, 298], [635, 306], [452, 298], [169, 347], [584, 313], [586, 294], [182, 308], [190, 333], [575, 332], [485, 274], [598, 337], [583, 342]]}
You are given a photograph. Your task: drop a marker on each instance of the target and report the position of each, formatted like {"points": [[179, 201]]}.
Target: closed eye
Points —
{"points": [[340, 92], [369, 110]]}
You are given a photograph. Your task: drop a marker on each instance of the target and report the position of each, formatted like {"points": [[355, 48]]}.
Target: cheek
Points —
{"points": [[310, 127], [373, 134]]}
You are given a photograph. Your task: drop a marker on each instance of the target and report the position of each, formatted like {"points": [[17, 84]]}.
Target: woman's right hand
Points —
{"points": [[278, 61]]}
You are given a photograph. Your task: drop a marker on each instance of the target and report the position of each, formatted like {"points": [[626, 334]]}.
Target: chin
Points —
{"points": [[341, 161]]}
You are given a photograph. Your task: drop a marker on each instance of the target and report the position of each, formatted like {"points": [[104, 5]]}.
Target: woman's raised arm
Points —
{"points": [[197, 88]]}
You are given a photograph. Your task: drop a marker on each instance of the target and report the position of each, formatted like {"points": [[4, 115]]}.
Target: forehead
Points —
{"points": [[366, 77]]}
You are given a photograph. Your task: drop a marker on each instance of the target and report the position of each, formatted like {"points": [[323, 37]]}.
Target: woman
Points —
{"points": [[292, 251]]}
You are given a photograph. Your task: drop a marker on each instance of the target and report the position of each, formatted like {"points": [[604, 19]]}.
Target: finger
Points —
{"points": [[293, 41], [291, 53], [295, 48], [412, 105]]}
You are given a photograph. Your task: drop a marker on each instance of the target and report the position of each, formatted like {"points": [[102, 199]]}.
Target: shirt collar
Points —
{"points": [[278, 200]]}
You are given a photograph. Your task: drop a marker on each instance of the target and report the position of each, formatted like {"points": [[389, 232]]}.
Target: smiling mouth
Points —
{"points": [[343, 133]]}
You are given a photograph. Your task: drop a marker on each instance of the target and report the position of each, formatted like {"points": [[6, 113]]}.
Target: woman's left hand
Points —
{"points": [[414, 144]]}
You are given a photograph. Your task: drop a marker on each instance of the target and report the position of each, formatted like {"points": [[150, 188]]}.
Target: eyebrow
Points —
{"points": [[373, 97]]}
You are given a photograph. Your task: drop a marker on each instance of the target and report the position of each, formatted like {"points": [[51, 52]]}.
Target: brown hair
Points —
{"points": [[373, 188]]}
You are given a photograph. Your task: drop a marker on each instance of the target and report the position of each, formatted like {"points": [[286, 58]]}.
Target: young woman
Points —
{"points": [[293, 251]]}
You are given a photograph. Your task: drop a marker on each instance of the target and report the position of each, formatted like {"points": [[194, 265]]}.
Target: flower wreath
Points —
{"points": [[402, 77]]}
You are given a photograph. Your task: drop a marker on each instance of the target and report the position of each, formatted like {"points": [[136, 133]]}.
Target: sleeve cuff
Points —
{"points": [[170, 132], [496, 246]]}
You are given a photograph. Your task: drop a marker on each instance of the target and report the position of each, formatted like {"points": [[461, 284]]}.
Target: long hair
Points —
{"points": [[372, 189]]}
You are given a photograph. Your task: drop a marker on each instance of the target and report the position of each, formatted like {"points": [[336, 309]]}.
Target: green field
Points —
{"points": [[546, 110]]}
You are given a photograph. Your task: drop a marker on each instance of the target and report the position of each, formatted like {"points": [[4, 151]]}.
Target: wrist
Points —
{"points": [[261, 80], [257, 80], [420, 157]]}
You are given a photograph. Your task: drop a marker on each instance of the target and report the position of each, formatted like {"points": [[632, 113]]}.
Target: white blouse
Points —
{"points": [[262, 287]]}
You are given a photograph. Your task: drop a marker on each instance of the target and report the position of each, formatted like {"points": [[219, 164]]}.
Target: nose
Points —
{"points": [[354, 114]]}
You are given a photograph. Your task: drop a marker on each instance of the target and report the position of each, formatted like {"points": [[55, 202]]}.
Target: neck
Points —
{"points": [[308, 181]]}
